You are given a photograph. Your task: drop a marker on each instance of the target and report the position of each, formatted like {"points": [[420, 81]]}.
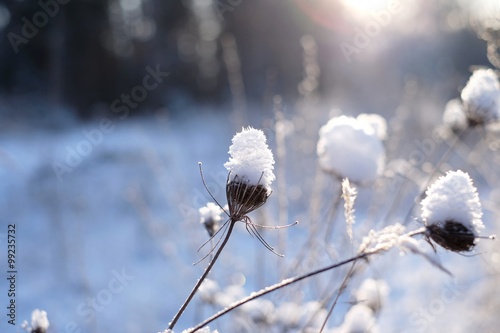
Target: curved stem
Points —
{"points": [[277, 286], [202, 278]]}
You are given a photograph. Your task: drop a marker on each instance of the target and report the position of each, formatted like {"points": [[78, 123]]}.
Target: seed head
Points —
{"points": [[452, 212], [481, 97], [250, 172], [451, 235], [352, 148], [210, 217], [39, 321]]}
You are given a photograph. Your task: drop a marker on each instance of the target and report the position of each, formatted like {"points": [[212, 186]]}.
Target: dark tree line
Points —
{"points": [[71, 59], [86, 54]]}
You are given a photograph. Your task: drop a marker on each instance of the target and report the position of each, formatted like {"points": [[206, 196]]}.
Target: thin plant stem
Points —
{"points": [[203, 276], [340, 291], [313, 235], [281, 177], [277, 286], [441, 161]]}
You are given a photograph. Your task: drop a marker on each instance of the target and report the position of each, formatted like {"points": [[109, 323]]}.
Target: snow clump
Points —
{"points": [[352, 148]]}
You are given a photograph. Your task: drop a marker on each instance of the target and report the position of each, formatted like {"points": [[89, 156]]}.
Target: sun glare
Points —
{"points": [[366, 6]]}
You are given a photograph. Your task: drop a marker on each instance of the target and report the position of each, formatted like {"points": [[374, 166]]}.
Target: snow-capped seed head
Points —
{"points": [[210, 217], [454, 116], [351, 148], [481, 97], [250, 172], [251, 159], [451, 212], [39, 321]]}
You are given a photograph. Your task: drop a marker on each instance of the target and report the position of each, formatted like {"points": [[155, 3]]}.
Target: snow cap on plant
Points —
{"points": [[454, 115], [39, 321], [250, 172], [210, 217], [452, 212], [352, 148], [481, 97]]}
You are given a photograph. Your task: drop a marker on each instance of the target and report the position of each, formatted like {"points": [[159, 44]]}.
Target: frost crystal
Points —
{"points": [[39, 321], [481, 97], [382, 240], [349, 195], [351, 148], [453, 198], [251, 159]]}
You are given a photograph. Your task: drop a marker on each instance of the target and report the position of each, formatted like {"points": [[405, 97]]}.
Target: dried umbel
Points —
{"points": [[250, 175], [210, 217], [451, 235], [39, 322], [249, 180], [452, 212], [244, 197]]}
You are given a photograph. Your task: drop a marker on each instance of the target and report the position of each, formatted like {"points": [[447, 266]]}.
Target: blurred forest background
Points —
{"points": [[91, 51]]}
